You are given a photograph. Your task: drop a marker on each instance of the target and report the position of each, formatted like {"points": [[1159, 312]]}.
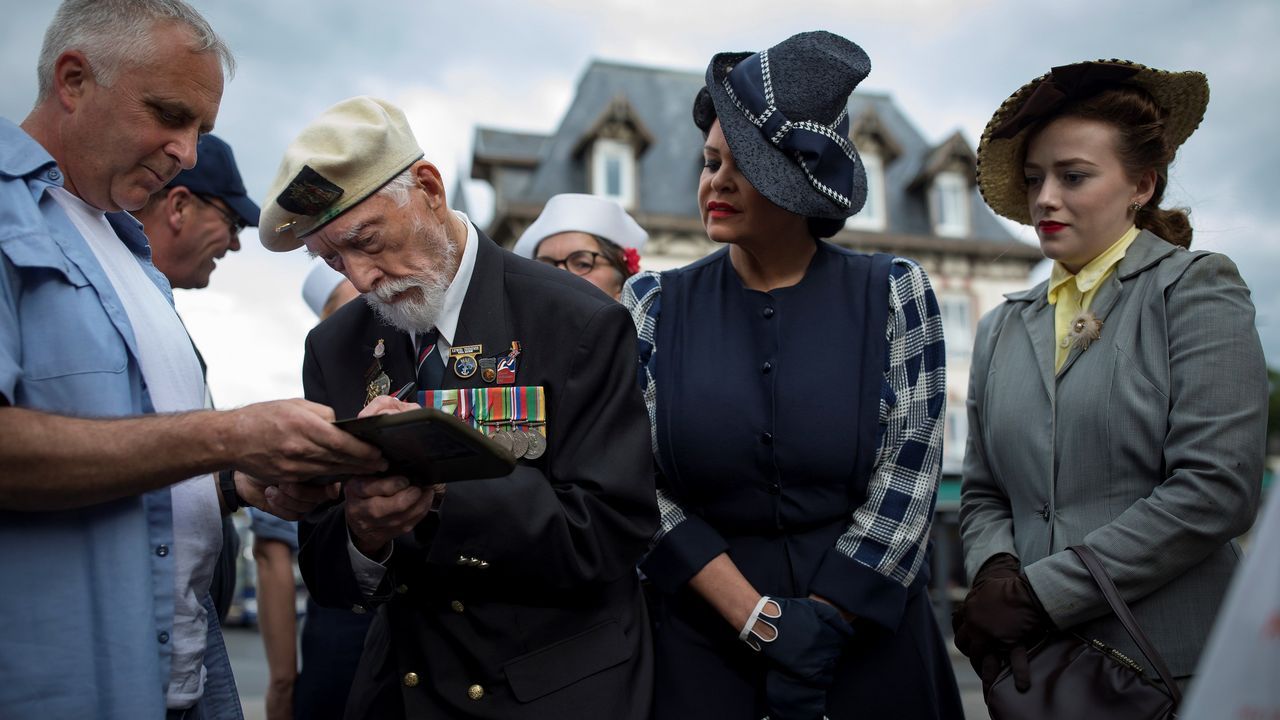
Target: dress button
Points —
{"points": [[456, 606], [767, 312], [766, 438], [162, 550], [54, 175], [163, 637], [475, 692], [410, 679], [775, 489], [359, 609], [766, 367], [402, 589], [1044, 512]]}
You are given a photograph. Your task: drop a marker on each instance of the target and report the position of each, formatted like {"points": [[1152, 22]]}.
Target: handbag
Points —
{"points": [[1073, 677]]}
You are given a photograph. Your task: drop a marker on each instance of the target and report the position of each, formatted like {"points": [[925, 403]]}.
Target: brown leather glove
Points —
{"points": [[1000, 618]]}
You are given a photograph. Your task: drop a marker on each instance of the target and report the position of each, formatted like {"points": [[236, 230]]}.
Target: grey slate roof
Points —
{"points": [[668, 171]]}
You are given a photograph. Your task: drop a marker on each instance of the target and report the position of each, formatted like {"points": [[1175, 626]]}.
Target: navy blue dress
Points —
{"points": [[766, 410]]}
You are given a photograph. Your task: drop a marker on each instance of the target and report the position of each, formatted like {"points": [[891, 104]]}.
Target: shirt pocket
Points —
{"points": [[64, 327]]}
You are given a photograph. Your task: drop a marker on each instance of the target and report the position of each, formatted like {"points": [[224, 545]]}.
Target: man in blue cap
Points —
{"points": [[197, 218]]}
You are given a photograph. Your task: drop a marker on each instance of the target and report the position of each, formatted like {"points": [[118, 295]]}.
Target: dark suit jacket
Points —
{"points": [[552, 625]]}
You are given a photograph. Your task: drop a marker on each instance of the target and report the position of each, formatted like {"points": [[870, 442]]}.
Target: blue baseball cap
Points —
{"points": [[216, 174]]}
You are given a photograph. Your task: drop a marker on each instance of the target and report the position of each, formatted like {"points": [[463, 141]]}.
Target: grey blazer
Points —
{"points": [[1148, 446]]}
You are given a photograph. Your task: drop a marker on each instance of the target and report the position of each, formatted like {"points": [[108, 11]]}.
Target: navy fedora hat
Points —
{"points": [[216, 174], [784, 114]]}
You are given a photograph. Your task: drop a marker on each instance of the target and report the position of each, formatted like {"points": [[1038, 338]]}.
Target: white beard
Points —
{"points": [[418, 314], [411, 314]]}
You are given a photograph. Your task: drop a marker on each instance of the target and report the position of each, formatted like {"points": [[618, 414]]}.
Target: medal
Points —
{"points": [[519, 443], [537, 445], [464, 359], [377, 381], [503, 439], [488, 369]]}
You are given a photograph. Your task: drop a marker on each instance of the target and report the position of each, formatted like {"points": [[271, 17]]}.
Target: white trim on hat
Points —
{"points": [[576, 212]]}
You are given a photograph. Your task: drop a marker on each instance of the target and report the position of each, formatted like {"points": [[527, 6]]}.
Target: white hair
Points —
{"points": [[114, 34], [397, 189]]}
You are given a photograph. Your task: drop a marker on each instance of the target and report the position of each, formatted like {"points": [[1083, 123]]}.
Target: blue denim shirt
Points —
{"points": [[89, 606]]}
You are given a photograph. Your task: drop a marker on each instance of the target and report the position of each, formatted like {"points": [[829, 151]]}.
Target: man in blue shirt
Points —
{"points": [[102, 436]]}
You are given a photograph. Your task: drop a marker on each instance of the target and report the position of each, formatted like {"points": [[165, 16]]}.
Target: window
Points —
{"points": [[957, 324], [613, 171], [949, 202], [872, 216]]}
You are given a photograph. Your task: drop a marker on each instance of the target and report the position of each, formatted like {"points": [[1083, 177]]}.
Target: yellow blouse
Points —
{"points": [[1072, 294]]}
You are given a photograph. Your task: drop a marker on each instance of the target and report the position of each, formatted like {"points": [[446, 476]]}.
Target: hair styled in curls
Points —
{"points": [[1141, 145], [704, 116]]}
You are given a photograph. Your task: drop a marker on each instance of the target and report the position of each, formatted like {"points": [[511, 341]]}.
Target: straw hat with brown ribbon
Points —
{"points": [[1183, 96]]}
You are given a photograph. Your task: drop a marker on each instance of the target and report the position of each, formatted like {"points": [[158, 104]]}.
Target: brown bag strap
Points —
{"points": [[1121, 609]]}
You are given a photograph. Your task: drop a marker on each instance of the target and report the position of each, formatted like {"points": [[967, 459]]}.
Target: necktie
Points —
{"points": [[430, 367]]}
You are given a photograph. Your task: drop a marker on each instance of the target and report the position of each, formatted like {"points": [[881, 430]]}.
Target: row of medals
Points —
{"points": [[527, 444]]}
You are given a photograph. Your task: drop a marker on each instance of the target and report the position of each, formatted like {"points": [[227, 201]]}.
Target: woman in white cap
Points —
{"points": [[1121, 404], [796, 393], [590, 236]]}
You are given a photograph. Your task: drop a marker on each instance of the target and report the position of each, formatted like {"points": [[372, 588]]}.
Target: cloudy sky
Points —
{"points": [[453, 65]]}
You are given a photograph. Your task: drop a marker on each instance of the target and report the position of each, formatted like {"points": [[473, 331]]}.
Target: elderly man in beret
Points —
{"points": [[512, 597], [110, 504]]}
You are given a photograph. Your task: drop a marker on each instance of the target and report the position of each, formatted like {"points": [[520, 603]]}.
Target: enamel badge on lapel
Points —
{"points": [[508, 365], [376, 379], [464, 359]]}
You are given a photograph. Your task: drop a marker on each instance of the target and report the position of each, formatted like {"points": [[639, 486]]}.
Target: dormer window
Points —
{"points": [[613, 171], [873, 214], [949, 204]]}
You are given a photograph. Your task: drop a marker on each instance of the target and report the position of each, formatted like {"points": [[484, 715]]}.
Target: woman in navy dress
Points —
{"points": [[796, 393]]}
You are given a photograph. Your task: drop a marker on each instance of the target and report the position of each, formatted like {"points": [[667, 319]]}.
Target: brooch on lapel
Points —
{"points": [[1084, 330]]}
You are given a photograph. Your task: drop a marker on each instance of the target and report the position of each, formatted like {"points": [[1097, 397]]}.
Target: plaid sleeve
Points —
{"points": [[642, 296], [878, 556]]}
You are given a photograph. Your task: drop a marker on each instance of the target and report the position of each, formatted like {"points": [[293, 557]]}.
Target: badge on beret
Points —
{"points": [[308, 193], [464, 359]]}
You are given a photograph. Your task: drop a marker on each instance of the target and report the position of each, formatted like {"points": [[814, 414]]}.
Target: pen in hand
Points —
{"points": [[406, 392]]}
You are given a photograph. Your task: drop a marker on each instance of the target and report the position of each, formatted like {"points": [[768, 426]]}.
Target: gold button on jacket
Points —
{"points": [[411, 679], [475, 692], [456, 606]]}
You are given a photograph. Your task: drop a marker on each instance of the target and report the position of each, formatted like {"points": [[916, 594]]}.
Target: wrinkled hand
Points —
{"points": [[387, 405], [292, 440], [811, 636], [289, 501], [999, 620], [381, 509]]}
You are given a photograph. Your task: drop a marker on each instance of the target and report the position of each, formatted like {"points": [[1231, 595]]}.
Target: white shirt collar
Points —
{"points": [[447, 323]]}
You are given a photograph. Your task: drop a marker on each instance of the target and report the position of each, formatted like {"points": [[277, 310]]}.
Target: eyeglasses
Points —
{"points": [[579, 262], [233, 221]]}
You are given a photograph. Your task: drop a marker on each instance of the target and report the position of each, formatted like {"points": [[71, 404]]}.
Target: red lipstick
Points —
{"points": [[1049, 227], [720, 209]]}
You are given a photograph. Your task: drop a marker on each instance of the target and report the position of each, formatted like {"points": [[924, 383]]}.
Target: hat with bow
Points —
{"points": [[1182, 96], [784, 114]]}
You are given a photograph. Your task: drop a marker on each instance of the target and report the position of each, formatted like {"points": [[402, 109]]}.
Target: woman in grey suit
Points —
{"points": [[1120, 404]]}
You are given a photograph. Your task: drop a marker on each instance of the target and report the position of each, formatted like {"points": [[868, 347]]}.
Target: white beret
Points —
{"points": [[343, 157], [591, 214], [319, 285]]}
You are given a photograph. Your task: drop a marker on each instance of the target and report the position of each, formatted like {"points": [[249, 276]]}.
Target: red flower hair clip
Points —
{"points": [[631, 258]]}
